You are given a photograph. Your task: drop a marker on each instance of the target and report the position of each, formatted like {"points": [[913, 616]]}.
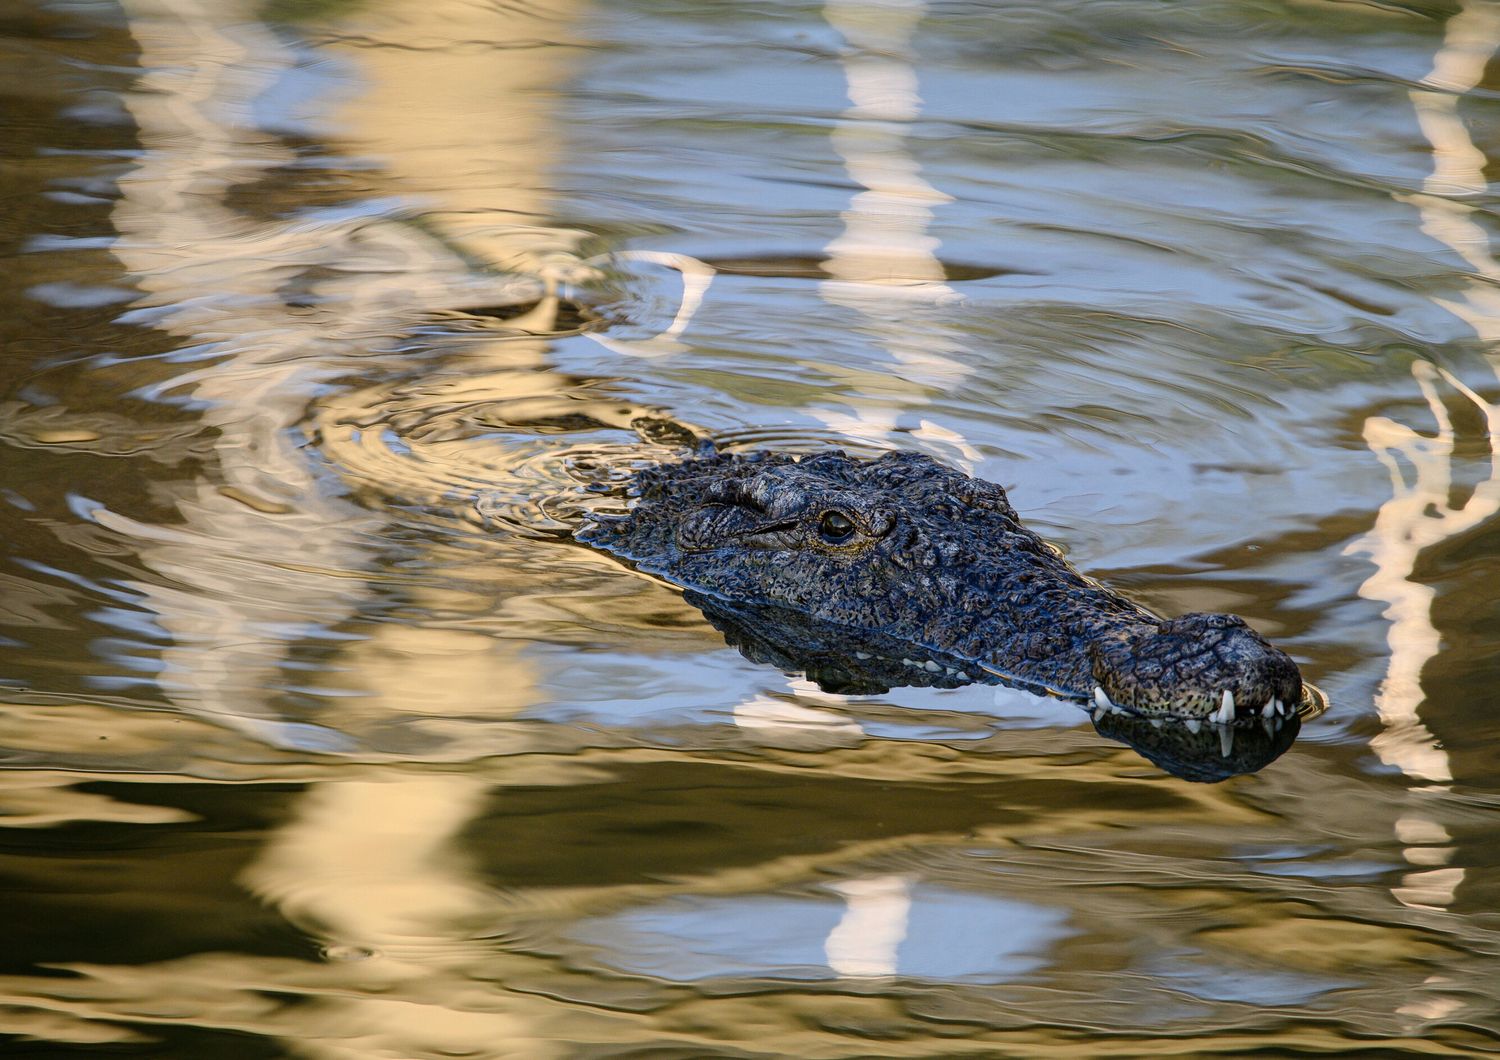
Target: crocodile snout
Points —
{"points": [[1198, 667]]}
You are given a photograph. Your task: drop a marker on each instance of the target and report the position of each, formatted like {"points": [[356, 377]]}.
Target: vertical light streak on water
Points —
{"points": [[1420, 513], [884, 264], [366, 863], [373, 862], [865, 941], [264, 547], [211, 270]]}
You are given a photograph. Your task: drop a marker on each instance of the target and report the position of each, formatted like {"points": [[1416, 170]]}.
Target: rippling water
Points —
{"points": [[325, 320]]}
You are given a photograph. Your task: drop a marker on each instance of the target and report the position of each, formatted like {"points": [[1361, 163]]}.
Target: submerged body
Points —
{"points": [[910, 552]]}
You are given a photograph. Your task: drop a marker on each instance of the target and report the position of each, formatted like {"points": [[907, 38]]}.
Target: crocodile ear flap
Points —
{"points": [[976, 493], [728, 491]]}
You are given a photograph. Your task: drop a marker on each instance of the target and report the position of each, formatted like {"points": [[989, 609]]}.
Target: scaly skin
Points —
{"points": [[916, 553]]}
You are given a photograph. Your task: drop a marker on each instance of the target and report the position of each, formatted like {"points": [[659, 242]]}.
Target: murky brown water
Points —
{"points": [[320, 740]]}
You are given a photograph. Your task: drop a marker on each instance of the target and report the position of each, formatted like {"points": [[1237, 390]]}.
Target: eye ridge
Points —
{"points": [[835, 526]]}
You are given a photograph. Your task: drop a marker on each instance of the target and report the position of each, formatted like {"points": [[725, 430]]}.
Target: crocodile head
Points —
{"points": [[903, 549]]}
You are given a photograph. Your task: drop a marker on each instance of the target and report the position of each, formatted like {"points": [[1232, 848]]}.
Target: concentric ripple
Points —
{"points": [[530, 462]]}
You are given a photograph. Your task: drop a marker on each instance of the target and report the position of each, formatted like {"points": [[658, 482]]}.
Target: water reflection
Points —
{"points": [[1211, 754], [884, 926], [1423, 511], [884, 265], [848, 662], [308, 754]]}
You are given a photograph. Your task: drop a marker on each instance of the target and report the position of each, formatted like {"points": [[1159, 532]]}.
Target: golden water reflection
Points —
{"points": [[437, 893], [405, 773]]}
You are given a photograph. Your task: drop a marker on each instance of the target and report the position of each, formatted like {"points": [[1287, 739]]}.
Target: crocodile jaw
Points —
{"points": [[1200, 667]]}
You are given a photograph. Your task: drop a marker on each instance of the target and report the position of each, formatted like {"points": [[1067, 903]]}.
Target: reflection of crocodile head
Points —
{"points": [[902, 551], [863, 663], [1206, 753]]}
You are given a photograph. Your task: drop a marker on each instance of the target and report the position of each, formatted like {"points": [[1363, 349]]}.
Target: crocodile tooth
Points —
{"points": [[1281, 708], [1194, 726], [1100, 698], [931, 667], [1225, 714], [1271, 707], [1269, 725], [1098, 713], [1156, 723], [861, 655], [1226, 740]]}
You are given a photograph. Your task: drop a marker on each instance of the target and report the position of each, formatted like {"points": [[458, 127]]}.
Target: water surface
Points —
{"points": [[321, 739]]}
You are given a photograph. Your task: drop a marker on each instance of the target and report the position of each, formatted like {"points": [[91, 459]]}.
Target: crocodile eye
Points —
{"points": [[835, 527]]}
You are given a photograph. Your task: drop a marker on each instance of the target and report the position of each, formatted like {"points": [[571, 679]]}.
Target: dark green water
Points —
{"points": [[318, 740]]}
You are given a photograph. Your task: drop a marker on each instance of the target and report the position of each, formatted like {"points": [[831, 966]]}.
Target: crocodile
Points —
{"points": [[933, 571]]}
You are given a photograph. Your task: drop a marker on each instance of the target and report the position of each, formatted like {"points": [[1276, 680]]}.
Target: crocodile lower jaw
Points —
{"points": [[1228, 712]]}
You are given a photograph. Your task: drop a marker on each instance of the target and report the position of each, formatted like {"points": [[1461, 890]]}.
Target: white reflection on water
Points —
{"points": [[778, 719], [865, 940], [885, 239], [1421, 512], [696, 278], [889, 925], [884, 265]]}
